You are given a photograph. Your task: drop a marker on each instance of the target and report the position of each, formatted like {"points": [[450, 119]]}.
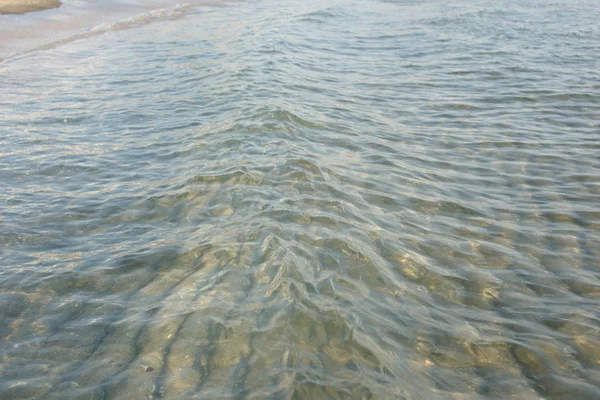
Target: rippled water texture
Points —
{"points": [[290, 200]]}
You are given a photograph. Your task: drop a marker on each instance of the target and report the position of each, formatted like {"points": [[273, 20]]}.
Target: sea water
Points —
{"points": [[352, 199]]}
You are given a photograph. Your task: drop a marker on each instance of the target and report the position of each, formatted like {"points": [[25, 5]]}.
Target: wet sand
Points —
{"points": [[66, 21], [25, 6]]}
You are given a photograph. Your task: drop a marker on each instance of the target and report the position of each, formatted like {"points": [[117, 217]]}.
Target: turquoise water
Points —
{"points": [[291, 200]]}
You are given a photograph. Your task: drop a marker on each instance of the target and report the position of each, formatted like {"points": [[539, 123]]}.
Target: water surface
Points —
{"points": [[290, 200]]}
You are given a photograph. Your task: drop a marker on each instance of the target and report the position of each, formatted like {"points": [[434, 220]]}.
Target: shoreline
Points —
{"points": [[26, 6], [23, 30]]}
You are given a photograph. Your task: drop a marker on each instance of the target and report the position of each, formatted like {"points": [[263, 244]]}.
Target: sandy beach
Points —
{"points": [[25, 6], [22, 29]]}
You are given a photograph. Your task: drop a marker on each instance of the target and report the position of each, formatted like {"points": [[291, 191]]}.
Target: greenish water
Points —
{"points": [[290, 200]]}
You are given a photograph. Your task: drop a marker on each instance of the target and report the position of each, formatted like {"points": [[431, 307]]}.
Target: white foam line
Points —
{"points": [[163, 14]]}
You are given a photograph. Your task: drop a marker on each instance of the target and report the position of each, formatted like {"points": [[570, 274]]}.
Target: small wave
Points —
{"points": [[163, 14]]}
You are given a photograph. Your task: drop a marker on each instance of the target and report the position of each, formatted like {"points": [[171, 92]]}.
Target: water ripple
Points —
{"points": [[369, 199]]}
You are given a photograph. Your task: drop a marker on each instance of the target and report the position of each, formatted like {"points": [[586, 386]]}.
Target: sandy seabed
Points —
{"points": [[25, 6]]}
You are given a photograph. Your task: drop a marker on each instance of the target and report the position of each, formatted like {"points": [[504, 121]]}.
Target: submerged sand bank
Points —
{"points": [[25, 6]]}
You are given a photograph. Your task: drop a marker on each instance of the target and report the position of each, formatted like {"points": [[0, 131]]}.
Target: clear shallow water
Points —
{"points": [[366, 199]]}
